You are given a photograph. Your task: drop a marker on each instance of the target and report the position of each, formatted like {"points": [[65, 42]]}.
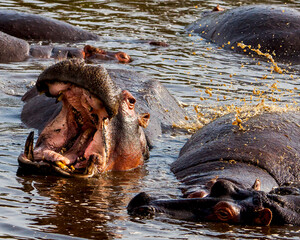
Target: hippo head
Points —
{"points": [[91, 52], [97, 129], [226, 202]]}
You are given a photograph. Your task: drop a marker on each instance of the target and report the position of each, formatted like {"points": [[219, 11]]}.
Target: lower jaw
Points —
{"points": [[28, 166], [44, 162]]}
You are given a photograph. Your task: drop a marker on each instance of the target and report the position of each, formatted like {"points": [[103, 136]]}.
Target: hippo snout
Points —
{"points": [[140, 205]]}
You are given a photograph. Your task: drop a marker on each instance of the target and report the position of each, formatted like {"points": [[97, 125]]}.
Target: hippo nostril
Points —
{"points": [[132, 101]]}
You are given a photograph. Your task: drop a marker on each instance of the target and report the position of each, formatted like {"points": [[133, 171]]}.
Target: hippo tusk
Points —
{"points": [[28, 151]]}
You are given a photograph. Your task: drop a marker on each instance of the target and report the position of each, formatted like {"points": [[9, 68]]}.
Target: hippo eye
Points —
{"points": [[227, 212], [223, 215]]}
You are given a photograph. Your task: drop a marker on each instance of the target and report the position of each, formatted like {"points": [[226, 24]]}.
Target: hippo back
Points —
{"points": [[35, 27], [274, 28], [270, 142], [12, 49]]}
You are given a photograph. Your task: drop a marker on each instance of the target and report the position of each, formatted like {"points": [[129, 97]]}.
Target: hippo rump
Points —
{"points": [[249, 176], [272, 29], [92, 124]]}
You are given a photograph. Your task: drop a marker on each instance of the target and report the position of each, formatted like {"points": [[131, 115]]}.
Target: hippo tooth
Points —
{"points": [[91, 165], [59, 98], [62, 165], [28, 151]]}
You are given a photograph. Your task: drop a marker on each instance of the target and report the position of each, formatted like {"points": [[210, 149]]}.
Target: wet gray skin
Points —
{"points": [[244, 177], [276, 29], [124, 127], [35, 27], [13, 49]]}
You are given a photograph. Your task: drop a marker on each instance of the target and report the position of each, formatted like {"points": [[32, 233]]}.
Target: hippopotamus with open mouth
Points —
{"points": [[90, 125], [272, 29], [249, 176]]}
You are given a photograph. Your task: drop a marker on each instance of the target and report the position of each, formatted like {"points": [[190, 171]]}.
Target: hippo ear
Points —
{"points": [[264, 217], [198, 194], [256, 185], [144, 119]]}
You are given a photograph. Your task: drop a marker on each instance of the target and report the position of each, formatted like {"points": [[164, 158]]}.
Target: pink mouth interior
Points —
{"points": [[77, 132]]}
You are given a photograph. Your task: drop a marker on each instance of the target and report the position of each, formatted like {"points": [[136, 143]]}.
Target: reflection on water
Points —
{"points": [[82, 207], [196, 73]]}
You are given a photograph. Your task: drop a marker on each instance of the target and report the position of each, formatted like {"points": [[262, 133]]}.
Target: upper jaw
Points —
{"points": [[95, 79]]}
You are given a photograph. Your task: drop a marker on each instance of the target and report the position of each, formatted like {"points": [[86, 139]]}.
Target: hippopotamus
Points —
{"points": [[268, 28], [249, 176], [90, 123], [16, 28], [39, 28], [16, 50]]}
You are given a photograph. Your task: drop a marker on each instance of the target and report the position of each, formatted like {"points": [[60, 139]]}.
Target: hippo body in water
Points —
{"points": [[16, 50], [17, 27], [235, 176], [272, 29], [39, 28], [95, 127]]}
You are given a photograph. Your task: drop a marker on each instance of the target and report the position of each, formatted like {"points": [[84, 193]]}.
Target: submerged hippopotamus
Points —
{"points": [[16, 50], [16, 28], [39, 28], [249, 176], [272, 29], [92, 124]]}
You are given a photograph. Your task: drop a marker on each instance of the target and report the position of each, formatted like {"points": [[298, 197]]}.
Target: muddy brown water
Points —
{"points": [[58, 208]]}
